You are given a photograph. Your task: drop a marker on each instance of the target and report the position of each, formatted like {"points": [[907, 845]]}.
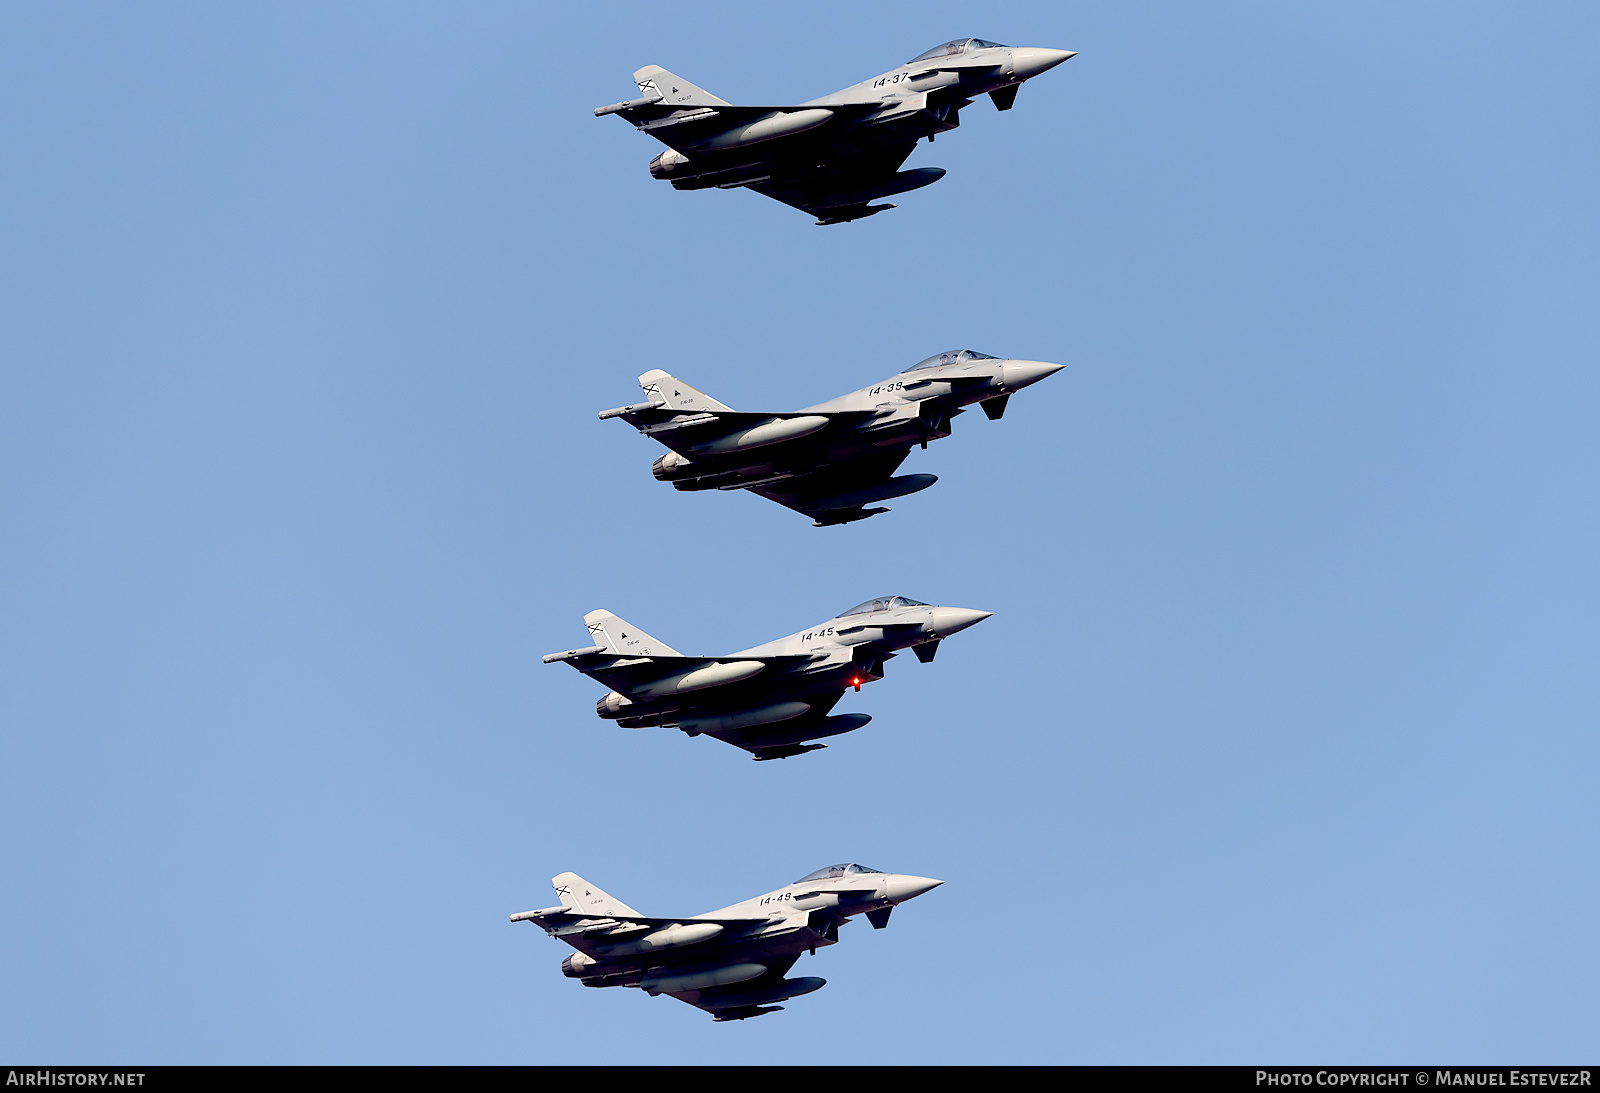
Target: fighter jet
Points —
{"points": [[771, 699], [832, 156], [730, 963], [831, 460]]}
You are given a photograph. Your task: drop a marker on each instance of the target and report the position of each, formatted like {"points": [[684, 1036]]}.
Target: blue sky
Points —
{"points": [[1279, 746]]}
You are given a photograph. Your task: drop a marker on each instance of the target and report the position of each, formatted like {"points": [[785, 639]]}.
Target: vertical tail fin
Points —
{"points": [[624, 638], [674, 90], [582, 898], [678, 395]]}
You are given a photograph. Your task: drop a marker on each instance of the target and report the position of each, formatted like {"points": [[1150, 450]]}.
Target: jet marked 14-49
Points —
{"points": [[832, 460]]}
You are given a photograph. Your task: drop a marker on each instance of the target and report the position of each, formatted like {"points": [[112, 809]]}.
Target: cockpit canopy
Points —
{"points": [[836, 871], [952, 49], [882, 603], [955, 356]]}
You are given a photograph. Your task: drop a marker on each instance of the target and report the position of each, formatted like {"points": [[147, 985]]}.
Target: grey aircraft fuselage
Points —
{"points": [[831, 460], [771, 699], [730, 962], [834, 155]]}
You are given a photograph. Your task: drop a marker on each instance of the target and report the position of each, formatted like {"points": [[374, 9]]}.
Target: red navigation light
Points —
{"points": [[856, 683]]}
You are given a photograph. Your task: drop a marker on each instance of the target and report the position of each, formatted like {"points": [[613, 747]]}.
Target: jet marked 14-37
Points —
{"points": [[830, 157]]}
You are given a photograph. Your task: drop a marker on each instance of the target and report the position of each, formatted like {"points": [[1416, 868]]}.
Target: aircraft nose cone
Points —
{"points": [[900, 887], [1027, 62], [1018, 374], [948, 620]]}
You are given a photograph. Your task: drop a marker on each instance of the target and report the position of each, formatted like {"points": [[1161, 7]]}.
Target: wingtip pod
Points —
{"points": [[845, 216], [623, 411], [787, 751], [572, 654], [847, 516], [631, 104]]}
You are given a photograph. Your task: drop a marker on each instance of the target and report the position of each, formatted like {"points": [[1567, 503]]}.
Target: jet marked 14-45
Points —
{"points": [[771, 700]]}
